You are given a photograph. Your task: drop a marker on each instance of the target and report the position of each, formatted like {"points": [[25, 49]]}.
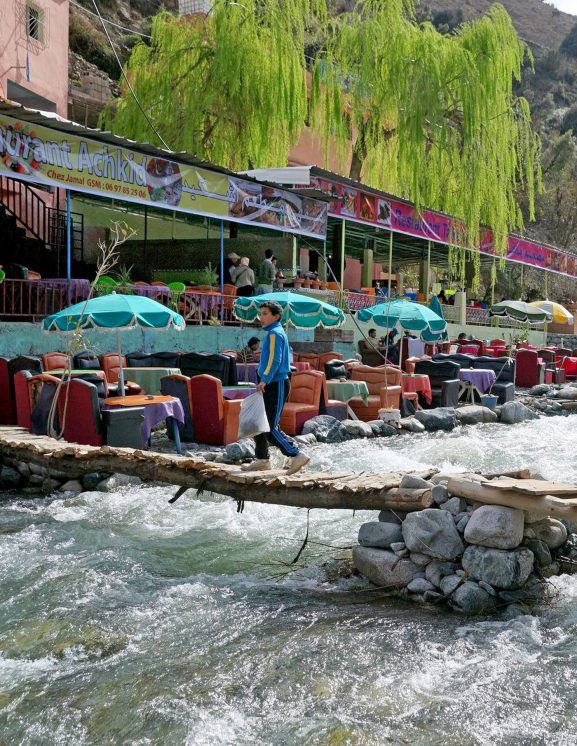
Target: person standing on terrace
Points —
{"points": [[274, 376], [266, 273]]}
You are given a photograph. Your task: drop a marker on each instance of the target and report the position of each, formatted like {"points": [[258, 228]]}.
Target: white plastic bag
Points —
{"points": [[253, 419]]}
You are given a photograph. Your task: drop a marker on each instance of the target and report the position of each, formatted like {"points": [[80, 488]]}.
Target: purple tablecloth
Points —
{"points": [[481, 378], [156, 412], [247, 372], [151, 291], [237, 392]]}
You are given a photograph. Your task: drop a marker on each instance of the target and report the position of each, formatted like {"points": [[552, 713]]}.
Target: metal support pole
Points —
{"points": [[222, 256], [428, 273], [522, 278], [294, 261], [546, 286], [390, 265], [68, 237], [146, 241], [493, 287], [342, 271]]}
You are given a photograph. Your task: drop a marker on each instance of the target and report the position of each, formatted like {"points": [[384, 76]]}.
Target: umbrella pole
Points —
{"points": [[120, 371]]}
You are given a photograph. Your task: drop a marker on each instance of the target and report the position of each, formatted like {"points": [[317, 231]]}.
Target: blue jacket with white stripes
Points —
{"points": [[276, 356]]}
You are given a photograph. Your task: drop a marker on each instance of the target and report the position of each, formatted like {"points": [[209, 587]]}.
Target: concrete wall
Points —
{"points": [[29, 339], [48, 59]]}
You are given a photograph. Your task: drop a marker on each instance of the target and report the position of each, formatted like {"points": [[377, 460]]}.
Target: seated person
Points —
{"points": [[372, 338], [462, 338], [392, 347], [250, 353]]}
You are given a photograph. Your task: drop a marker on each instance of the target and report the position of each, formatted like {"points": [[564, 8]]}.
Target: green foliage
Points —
{"points": [[230, 87], [569, 43], [91, 45], [436, 117], [432, 116]]}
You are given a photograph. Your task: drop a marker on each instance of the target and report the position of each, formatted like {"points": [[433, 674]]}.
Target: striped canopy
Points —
{"points": [[413, 317], [301, 311], [518, 310], [558, 313]]}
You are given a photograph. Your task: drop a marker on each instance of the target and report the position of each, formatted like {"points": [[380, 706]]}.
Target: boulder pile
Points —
{"points": [[477, 559]]}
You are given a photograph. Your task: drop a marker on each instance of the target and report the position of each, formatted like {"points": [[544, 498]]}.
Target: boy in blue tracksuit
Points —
{"points": [[274, 375]]}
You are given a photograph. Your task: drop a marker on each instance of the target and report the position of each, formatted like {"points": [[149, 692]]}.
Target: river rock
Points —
{"points": [[24, 469], [412, 425], [73, 485], [486, 587], [473, 414], [410, 482], [37, 469], [513, 412], [540, 550], [549, 530], [449, 583], [495, 526], [10, 477], [235, 452], [551, 570], [391, 516], [379, 534], [420, 559], [470, 598], [462, 523], [498, 567], [305, 440], [420, 585], [325, 428], [541, 389], [567, 392], [382, 429], [50, 485], [441, 418], [113, 482], [440, 493], [90, 480], [454, 505], [357, 428], [432, 532], [383, 568], [436, 571]]}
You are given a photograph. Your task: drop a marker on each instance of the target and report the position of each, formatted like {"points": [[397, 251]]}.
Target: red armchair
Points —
{"points": [[214, 418], [307, 357], [7, 412], [78, 410], [529, 371], [55, 361], [569, 365], [376, 378], [304, 401]]}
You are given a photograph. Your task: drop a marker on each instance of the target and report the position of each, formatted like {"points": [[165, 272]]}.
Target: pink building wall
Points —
{"points": [[47, 57]]}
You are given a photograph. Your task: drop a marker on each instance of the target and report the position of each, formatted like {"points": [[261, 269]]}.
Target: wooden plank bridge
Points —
{"points": [[342, 490]]}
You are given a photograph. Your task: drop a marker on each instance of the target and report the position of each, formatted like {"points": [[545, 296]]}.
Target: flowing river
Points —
{"points": [[124, 620]]}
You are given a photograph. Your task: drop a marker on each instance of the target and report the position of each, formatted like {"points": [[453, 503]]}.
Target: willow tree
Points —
{"points": [[229, 86], [431, 117]]}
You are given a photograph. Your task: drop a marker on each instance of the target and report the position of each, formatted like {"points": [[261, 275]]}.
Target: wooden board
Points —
{"points": [[533, 486]]}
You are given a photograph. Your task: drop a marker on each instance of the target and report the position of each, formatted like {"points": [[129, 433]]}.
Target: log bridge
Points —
{"points": [[342, 490]]}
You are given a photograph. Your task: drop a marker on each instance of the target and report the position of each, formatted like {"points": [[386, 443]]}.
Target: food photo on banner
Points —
{"points": [[40, 154]]}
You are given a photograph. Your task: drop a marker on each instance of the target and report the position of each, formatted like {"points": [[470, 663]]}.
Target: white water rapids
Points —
{"points": [[124, 620]]}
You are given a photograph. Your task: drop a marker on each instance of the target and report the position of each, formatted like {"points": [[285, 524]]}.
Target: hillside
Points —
{"points": [[536, 22]]}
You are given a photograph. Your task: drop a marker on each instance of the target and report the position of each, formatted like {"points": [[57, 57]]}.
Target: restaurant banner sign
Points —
{"points": [[53, 158], [373, 209]]}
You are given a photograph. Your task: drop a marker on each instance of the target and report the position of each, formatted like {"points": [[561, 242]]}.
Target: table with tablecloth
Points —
{"points": [[345, 390], [148, 378], [58, 373], [152, 291], [479, 380], [156, 409], [468, 350], [247, 372], [237, 392], [418, 382]]}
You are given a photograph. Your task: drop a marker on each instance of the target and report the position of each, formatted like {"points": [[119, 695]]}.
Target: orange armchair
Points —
{"points": [[384, 386], [215, 419], [304, 401], [55, 361], [111, 363], [307, 357]]}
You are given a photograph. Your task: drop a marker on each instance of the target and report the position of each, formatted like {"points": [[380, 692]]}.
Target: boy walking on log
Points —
{"points": [[274, 375]]}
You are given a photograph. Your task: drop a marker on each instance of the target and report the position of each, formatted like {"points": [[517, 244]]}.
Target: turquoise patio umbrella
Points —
{"points": [[300, 311], [114, 312], [412, 317]]}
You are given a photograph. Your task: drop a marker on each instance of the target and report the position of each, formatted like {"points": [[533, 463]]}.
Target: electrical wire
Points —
{"points": [[124, 75], [110, 23]]}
